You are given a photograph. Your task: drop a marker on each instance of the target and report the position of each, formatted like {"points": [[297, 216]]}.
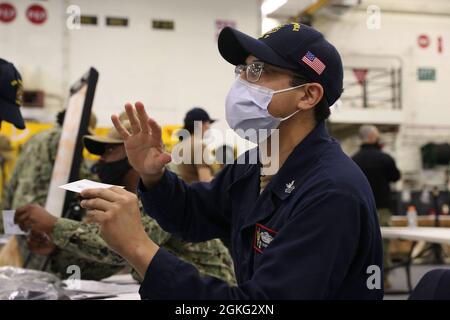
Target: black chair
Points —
{"points": [[434, 285]]}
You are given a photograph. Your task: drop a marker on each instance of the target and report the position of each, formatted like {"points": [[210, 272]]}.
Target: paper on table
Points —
{"points": [[84, 184], [4, 238], [97, 287], [126, 296], [120, 279], [8, 223], [93, 296]]}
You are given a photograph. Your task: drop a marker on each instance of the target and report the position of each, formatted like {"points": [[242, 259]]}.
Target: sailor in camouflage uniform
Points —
{"points": [[79, 243], [32, 174]]}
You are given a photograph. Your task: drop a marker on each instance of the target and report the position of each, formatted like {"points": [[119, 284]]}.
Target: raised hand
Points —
{"points": [[144, 145]]}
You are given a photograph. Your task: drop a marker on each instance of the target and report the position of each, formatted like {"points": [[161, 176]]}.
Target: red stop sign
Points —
{"points": [[423, 40], [7, 12], [36, 14]]}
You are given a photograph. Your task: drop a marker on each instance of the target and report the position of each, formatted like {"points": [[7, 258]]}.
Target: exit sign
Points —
{"points": [[426, 74]]}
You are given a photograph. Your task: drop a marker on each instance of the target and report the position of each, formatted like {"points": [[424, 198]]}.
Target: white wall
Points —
{"points": [[169, 71], [398, 37], [36, 50], [426, 105]]}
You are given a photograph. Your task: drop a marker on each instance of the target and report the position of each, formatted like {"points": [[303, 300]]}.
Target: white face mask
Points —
{"points": [[246, 110]]}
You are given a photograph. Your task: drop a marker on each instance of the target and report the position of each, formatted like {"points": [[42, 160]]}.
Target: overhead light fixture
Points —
{"points": [[270, 6]]}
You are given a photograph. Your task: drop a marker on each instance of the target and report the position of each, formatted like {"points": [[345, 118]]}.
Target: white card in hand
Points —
{"points": [[84, 184], [8, 223]]}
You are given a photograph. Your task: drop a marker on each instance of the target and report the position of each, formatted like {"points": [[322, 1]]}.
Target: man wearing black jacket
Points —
{"points": [[380, 170]]}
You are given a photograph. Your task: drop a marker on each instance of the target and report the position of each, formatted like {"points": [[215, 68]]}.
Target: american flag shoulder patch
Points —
{"points": [[314, 62]]}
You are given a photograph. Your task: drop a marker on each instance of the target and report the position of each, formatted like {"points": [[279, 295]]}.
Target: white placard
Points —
{"points": [[84, 184], [65, 153], [8, 223]]}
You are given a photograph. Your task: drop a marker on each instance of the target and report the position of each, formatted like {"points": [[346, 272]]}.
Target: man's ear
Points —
{"points": [[312, 94]]}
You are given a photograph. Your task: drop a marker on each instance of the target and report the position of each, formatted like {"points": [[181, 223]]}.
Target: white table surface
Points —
{"points": [[126, 296], [429, 217], [121, 287], [428, 234]]}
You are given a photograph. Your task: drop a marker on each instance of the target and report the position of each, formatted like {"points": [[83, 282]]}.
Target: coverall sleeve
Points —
{"points": [[194, 212], [307, 259]]}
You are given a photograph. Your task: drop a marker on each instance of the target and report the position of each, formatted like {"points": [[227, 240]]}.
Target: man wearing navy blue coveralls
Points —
{"points": [[309, 232]]}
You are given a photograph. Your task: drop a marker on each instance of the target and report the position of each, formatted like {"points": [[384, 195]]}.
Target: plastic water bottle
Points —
{"points": [[412, 216]]}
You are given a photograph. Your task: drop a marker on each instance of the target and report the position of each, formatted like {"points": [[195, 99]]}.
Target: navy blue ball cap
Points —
{"points": [[197, 114], [11, 92], [292, 46]]}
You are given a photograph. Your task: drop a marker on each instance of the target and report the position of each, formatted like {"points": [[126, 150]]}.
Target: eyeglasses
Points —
{"points": [[253, 70]]}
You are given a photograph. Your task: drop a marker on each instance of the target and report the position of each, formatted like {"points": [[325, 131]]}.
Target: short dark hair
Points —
{"points": [[322, 109]]}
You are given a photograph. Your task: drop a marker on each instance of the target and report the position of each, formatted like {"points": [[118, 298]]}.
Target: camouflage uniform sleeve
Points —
{"points": [[30, 180], [20, 189], [61, 260], [11, 185], [153, 230], [211, 258], [80, 241], [84, 241]]}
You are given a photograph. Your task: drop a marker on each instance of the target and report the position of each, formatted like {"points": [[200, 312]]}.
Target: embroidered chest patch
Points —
{"points": [[263, 237]]}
